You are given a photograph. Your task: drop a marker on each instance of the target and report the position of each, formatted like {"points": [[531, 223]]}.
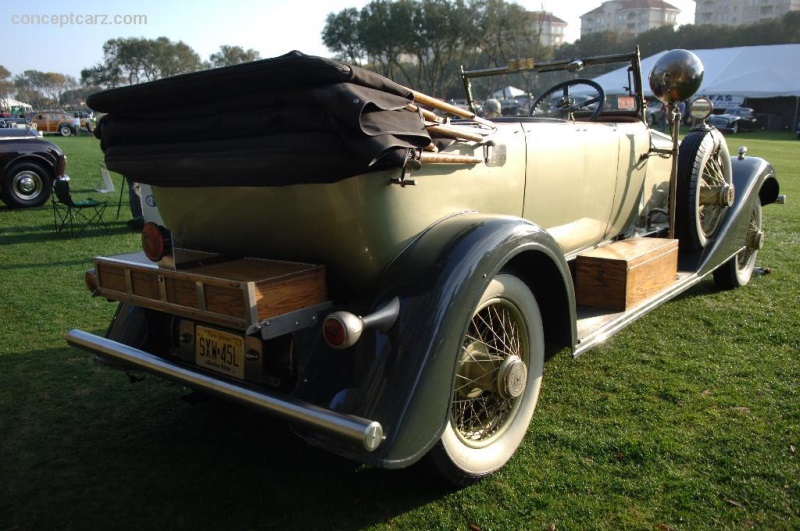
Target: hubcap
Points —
{"points": [[26, 185], [720, 196], [512, 377]]}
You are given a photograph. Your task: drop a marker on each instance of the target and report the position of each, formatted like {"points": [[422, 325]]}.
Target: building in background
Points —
{"points": [[551, 28], [740, 12], [629, 16]]}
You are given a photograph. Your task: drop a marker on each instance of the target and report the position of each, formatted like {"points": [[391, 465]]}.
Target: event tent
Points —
{"points": [[508, 92], [11, 102], [747, 71]]}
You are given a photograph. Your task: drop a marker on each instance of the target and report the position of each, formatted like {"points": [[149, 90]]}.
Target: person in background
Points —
{"points": [[137, 218], [491, 108], [76, 124]]}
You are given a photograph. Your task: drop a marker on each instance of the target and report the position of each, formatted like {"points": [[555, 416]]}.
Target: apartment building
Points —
{"points": [[629, 16], [740, 12], [551, 28]]}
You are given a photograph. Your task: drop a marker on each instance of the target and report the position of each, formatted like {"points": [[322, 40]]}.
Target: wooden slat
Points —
{"points": [[235, 293], [454, 132], [447, 158]]}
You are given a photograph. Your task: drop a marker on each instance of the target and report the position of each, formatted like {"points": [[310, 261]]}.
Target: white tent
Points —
{"points": [[11, 102], [747, 71], [508, 92]]}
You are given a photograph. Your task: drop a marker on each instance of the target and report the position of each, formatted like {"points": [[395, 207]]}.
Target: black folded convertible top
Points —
{"points": [[286, 120]]}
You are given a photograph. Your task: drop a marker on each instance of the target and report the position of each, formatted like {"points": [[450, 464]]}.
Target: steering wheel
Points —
{"points": [[567, 103]]}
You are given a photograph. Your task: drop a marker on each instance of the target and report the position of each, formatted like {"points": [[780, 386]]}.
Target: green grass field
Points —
{"points": [[689, 419]]}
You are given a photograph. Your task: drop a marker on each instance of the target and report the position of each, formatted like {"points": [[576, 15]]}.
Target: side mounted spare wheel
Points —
{"points": [[498, 372], [705, 188]]}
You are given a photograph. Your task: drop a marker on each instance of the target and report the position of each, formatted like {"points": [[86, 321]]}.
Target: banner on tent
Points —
{"points": [[725, 101]]}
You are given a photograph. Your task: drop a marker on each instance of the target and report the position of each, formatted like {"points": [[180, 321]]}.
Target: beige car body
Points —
{"points": [[583, 182]]}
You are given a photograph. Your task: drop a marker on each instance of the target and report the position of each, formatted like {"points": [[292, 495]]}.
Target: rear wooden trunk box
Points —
{"points": [[621, 275], [236, 293]]}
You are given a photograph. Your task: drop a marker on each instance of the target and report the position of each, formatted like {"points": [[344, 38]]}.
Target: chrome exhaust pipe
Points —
{"points": [[368, 433]]}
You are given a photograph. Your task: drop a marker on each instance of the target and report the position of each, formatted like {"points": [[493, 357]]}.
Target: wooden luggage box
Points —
{"points": [[621, 275], [236, 293]]}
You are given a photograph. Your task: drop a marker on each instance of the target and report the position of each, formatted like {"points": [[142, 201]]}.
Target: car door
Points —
{"points": [[571, 179], [632, 164], [52, 123]]}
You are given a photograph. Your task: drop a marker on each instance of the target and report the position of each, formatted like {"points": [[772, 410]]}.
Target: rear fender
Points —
{"points": [[439, 279]]}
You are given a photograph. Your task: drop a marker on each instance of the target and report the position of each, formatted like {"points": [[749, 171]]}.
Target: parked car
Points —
{"points": [[405, 277], [19, 123], [28, 167], [56, 122], [736, 119]]}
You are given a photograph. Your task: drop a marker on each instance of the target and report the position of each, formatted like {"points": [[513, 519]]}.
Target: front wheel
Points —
{"points": [[496, 383], [65, 130], [26, 184], [737, 271]]}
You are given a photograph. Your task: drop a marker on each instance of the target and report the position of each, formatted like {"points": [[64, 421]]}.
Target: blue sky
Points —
{"points": [[69, 41]]}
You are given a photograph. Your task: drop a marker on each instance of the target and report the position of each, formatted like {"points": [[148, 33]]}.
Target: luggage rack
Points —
{"points": [[247, 294]]}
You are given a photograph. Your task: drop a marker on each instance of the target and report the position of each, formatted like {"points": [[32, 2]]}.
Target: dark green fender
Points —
{"points": [[407, 373]]}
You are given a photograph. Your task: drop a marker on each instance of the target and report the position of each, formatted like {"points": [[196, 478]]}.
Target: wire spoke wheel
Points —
{"points": [[737, 271], [495, 383], [712, 178], [481, 403]]}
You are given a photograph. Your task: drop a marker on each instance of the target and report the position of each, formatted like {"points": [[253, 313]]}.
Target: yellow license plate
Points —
{"points": [[220, 351]]}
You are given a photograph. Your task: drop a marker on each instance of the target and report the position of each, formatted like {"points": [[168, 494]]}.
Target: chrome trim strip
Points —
{"points": [[599, 335], [368, 433]]}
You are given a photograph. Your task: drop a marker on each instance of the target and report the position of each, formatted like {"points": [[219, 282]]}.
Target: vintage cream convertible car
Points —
{"points": [[388, 273]]}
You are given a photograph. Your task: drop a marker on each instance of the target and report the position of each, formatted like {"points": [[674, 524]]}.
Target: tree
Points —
{"points": [[341, 35], [127, 61], [443, 33], [232, 55], [43, 89], [423, 42], [6, 87]]}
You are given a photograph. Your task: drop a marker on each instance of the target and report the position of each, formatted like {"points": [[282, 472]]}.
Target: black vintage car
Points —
{"points": [[736, 119], [28, 166]]}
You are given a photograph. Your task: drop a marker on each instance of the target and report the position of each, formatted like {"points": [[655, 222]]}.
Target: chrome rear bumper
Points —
{"points": [[368, 433]]}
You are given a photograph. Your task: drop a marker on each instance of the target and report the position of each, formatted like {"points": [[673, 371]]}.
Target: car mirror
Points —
{"points": [[701, 109], [676, 76]]}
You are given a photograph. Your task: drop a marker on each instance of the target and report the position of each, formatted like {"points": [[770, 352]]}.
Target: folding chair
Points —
{"points": [[67, 212]]}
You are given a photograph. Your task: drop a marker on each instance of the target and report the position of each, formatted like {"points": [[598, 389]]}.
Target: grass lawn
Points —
{"points": [[689, 419]]}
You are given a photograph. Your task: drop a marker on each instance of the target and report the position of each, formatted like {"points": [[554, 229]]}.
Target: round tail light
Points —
{"points": [[342, 329], [156, 241], [90, 278]]}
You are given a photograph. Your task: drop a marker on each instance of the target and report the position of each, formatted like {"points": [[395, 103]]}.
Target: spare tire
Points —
{"points": [[705, 188]]}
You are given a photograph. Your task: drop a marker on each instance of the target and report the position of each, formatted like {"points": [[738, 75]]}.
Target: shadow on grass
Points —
{"points": [[135, 456], [46, 233]]}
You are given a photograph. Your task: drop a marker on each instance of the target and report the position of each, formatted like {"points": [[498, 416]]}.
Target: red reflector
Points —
{"points": [[334, 332], [90, 278], [155, 241]]}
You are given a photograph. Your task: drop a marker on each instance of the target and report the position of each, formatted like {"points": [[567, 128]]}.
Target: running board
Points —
{"points": [[595, 325]]}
